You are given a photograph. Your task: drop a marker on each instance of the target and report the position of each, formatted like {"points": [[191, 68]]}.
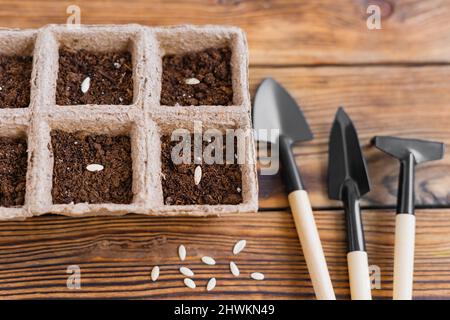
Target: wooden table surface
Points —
{"points": [[391, 81]]}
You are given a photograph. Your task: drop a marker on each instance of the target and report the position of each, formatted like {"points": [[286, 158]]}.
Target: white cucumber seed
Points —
{"points": [[94, 167], [208, 260], [182, 252], [197, 175], [85, 85], [239, 246], [211, 284], [192, 81], [155, 273], [189, 283], [234, 269], [186, 272], [257, 276]]}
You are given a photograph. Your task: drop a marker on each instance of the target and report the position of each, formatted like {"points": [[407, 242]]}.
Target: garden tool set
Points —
{"points": [[348, 180]]}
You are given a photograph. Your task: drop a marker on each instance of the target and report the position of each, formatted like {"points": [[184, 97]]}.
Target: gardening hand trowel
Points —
{"points": [[275, 110], [409, 152], [348, 181]]}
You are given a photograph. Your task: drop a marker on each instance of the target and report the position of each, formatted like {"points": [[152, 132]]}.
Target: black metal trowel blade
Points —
{"points": [[346, 161], [274, 108]]}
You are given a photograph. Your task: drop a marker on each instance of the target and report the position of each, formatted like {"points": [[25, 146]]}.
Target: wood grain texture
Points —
{"points": [[280, 32], [116, 256], [289, 40], [400, 101]]}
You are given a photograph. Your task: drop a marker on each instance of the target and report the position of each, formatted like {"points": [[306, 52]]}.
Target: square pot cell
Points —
{"points": [[202, 66], [206, 166], [16, 64], [93, 65], [200, 183], [197, 78], [91, 168], [16, 153], [89, 165], [13, 171], [88, 77]]}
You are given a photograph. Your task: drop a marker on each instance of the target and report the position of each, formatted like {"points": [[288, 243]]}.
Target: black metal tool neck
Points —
{"points": [[405, 202], [355, 231], [289, 170]]}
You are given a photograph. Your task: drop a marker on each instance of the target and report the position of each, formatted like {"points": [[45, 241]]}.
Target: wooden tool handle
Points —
{"points": [[358, 271], [405, 229], [312, 248]]}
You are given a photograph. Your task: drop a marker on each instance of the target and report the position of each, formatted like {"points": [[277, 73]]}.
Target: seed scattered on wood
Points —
{"points": [[192, 81], [239, 246], [186, 272], [117, 65], [211, 284], [234, 269], [155, 273], [208, 260], [94, 167], [182, 252], [189, 283], [238, 189], [197, 175], [85, 85], [257, 276]]}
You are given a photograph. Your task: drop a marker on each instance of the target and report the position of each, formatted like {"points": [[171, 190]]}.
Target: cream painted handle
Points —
{"points": [[405, 229], [312, 248], [358, 271]]}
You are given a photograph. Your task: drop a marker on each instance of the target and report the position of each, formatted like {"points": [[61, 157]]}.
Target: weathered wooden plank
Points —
{"points": [[401, 101], [280, 32], [116, 255]]}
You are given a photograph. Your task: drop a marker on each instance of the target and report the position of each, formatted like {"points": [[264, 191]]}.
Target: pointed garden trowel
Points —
{"points": [[410, 152], [275, 110], [348, 181]]}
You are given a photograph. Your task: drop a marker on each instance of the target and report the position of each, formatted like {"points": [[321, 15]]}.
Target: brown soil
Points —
{"points": [[13, 171], [72, 182], [220, 183], [15, 79], [111, 78], [210, 66]]}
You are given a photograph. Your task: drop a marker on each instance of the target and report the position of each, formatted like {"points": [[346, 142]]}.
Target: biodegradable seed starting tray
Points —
{"points": [[90, 134]]}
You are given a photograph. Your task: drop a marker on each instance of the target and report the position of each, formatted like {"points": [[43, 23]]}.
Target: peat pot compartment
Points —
{"points": [[13, 171], [203, 66], [94, 166], [209, 172], [16, 68], [97, 65]]}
